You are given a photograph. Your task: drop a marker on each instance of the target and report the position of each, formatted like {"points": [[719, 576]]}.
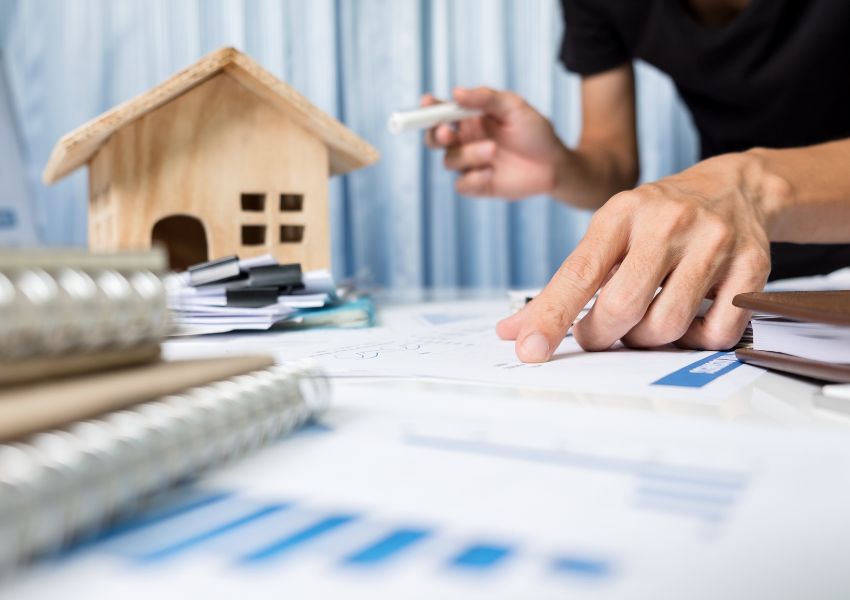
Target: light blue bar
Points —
{"points": [[387, 547], [169, 551], [481, 556], [584, 567], [689, 496], [296, 539], [157, 514]]}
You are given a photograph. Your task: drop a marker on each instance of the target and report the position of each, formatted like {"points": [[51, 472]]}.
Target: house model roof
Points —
{"points": [[347, 151]]}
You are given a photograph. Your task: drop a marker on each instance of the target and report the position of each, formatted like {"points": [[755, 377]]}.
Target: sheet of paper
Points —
{"points": [[457, 341], [464, 496]]}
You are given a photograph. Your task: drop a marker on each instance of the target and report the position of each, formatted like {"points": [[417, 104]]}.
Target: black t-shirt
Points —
{"points": [[777, 76]]}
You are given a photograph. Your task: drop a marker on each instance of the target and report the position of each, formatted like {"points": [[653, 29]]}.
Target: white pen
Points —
{"points": [[429, 116]]}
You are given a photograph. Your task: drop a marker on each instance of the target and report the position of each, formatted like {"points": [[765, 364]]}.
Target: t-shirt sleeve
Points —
{"points": [[591, 43]]}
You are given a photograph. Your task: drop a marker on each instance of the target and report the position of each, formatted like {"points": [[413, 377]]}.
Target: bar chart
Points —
{"points": [[250, 533]]}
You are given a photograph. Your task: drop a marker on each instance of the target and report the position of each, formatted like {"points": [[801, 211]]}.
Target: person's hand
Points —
{"points": [[699, 234], [511, 151]]}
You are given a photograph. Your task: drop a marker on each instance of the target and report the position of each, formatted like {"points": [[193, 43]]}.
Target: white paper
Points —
{"points": [[457, 341], [814, 341], [639, 507]]}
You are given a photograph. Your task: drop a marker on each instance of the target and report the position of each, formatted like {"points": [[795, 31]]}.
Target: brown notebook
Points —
{"points": [[832, 308], [828, 307], [27, 409]]}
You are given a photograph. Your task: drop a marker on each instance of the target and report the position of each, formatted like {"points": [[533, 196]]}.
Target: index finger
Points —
{"points": [[440, 136], [541, 326]]}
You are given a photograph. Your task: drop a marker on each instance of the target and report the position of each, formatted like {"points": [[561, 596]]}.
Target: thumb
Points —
{"points": [[496, 103]]}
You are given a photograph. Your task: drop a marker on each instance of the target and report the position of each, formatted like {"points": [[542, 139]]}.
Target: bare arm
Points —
{"points": [[606, 159], [804, 192]]}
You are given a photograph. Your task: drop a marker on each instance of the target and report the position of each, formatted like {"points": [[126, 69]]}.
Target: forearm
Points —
{"points": [[803, 193], [589, 175]]}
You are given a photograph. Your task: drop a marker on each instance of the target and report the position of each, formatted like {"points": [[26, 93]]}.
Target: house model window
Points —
{"points": [[253, 235], [291, 203], [253, 202], [290, 234]]}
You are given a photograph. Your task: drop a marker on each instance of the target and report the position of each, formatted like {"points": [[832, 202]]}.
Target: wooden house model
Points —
{"points": [[223, 158]]}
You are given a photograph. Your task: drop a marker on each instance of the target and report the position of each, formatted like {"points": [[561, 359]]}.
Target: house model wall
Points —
{"points": [[221, 159]]}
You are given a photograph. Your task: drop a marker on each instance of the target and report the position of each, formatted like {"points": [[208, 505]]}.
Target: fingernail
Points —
{"points": [[534, 348]]}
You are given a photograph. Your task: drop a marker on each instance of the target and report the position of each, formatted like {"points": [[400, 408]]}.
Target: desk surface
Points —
{"points": [[416, 487]]}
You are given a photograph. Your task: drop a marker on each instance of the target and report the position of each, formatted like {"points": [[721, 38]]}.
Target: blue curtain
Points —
{"points": [[398, 224]]}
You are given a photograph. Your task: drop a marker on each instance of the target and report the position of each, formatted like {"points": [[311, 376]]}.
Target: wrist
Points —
{"points": [[770, 192], [561, 174]]}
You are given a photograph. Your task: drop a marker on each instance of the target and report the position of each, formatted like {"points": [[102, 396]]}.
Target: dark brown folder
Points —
{"points": [[786, 363], [831, 308]]}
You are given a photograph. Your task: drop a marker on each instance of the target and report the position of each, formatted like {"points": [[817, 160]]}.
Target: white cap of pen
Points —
{"points": [[429, 116]]}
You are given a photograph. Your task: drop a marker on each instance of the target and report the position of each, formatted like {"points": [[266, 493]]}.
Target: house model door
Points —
{"points": [[184, 238]]}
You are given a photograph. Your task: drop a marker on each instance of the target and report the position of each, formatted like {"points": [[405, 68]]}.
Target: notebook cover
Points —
{"points": [[40, 368], [27, 409], [832, 308], [792, 364]]}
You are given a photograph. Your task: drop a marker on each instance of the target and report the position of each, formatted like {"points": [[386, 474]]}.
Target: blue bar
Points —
{"points": [[296, 539], [151, 517], [173, 549], [481, 556], [585, 567], [387, 547], [701, 372]]}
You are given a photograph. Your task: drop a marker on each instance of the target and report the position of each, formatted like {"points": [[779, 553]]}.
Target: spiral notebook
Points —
{"points": [[68, 311], [107, 443]]}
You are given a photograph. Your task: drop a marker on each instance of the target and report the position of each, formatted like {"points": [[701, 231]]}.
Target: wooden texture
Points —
{"points": [[25, 410], [48, 367], [347, 151], [195, 157]]}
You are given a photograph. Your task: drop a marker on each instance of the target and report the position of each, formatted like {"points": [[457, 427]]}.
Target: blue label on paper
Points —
{"points": [[701, 372]]}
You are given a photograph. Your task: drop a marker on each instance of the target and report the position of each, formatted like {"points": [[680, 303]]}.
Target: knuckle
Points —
{"points": [[579, 270], [756, 261], [620, 307], [669, 327], [718, 337], [628, 200], [513, 100], [717, 230], [552, 315]]}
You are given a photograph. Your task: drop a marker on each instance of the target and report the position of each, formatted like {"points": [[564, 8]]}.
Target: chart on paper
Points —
{"points": [[476, 497]]}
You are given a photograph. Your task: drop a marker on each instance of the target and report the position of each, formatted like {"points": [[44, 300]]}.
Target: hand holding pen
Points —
{"points": [[495, 140]]}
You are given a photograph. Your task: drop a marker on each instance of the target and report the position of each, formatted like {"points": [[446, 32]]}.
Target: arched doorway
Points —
{"points": [[184, 238]]}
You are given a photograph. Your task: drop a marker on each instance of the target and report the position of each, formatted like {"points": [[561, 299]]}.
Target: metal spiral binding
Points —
{"points": [[65, 484], [67, 309]]}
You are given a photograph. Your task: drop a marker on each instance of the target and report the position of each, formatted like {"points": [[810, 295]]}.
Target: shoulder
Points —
{"points": [[601, 34]]}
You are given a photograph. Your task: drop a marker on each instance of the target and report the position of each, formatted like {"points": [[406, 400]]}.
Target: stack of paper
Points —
{"points": [[812, 341], [254, 294]]}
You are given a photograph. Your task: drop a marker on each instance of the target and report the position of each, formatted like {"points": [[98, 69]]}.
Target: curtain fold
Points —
{"points": [[398, 224]]}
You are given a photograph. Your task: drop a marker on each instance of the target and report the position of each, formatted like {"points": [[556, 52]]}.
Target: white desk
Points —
{"points": [[435, 489]]}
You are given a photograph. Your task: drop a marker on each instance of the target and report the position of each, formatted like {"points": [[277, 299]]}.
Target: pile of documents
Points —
{"points": [[802, 332], [230, 294]]}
